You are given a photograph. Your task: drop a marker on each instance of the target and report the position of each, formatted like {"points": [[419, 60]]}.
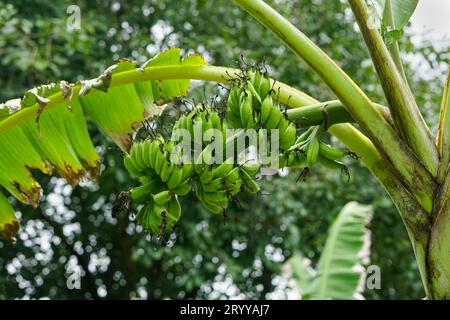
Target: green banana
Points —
{"points": [[206, 123], [160, 160], [246, 111], [175, 178], [256, 99], [282, 160], [264, 88], [130, 167], [187, 171], [248, 183], [162, 197], [146, 152], [329, 152], [266, 109], [183, 188], [233, 100], [291, 158], [233, 188], [166, 171], [252, 168], [209, 206], [219, 198], [274, 119], [143, 192], [213, 185], [233, 176], [287, 138], [206, 156], [312, 152], [155, 218], [136, 155], [174, 211], [222, 170], [215, 120], [142, 217], [206, 176], [153, 153], [304, 136]]}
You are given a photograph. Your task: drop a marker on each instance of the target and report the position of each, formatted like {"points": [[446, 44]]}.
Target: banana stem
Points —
{"points": [[408, 120], [285, 94], [331, 112]]}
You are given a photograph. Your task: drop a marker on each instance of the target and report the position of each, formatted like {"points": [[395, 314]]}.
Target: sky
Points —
{"points": [[434, 16]]}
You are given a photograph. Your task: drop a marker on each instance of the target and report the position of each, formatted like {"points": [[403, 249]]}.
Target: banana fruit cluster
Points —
{"points": [[251, 106], [165, 175], [309, 143]]}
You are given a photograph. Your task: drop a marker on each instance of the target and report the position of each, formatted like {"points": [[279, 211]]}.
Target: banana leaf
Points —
{"points": [[339, 273]]}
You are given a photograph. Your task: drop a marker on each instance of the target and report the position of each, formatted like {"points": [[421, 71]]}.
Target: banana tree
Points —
{"points": [[46, 129]]}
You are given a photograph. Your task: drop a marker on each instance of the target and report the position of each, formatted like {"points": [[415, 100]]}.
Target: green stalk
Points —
{"points": [[408, 120], [411, 171], [287, 95], [332, 112], [443, 135]]}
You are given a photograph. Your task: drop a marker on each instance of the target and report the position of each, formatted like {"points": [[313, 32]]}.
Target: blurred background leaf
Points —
{"points": [[340, 272]]}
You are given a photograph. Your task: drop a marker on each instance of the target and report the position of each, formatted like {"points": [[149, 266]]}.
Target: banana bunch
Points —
{"points": [[315, 150], [251, 105], [162, 179], [154, 158], [165, 175], [160, 213], [218, 184], [198, 121]]}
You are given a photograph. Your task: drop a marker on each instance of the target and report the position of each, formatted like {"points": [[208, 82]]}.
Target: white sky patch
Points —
{"points": [[432, 16]]}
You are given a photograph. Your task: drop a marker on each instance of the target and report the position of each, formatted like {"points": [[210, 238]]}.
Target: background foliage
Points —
{"points": [[240, 255]]}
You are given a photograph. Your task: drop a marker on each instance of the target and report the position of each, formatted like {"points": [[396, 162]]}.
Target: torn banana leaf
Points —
{"points": [[9, 226], [56, 138], [118, 109]]}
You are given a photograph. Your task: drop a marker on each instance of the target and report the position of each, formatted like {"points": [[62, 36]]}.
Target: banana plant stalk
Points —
{"points": [[429, 222]]}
